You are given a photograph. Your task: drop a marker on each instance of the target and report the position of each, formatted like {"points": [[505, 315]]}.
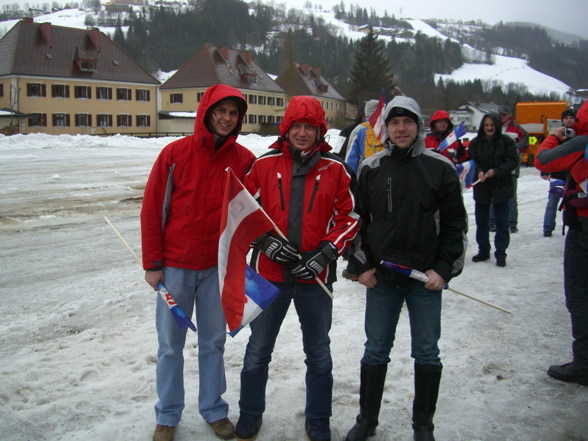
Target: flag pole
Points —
{"points": [[461, 293], [123, 241]]}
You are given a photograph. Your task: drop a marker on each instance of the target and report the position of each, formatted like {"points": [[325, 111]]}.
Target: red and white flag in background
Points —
{"points": [[377, 118], [242, 221]]}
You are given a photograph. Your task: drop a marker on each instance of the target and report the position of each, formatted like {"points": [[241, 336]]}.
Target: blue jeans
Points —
{"points": [[502, 237], [383, 306], [189, 288], [314, 308], [576, 290], [551, 210]]}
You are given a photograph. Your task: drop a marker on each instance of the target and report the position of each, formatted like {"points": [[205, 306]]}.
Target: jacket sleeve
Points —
{"points": [[155, 210], [357, 150], [362, 257], [553, 156]]}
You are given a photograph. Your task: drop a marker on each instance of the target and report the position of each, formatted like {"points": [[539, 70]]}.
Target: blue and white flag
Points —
{"points": [[178, 313], [465, 173], [457, 133]]}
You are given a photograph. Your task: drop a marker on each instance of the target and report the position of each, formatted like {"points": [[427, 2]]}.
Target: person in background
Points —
{"points": [[346, 131], [412, 214], [180, 222], [556, 181], [309, 194], [441, 126], [521, 138], [558, 152], [363, 141], [495, 156]]}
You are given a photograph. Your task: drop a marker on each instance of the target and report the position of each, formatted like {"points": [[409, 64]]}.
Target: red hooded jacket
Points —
{"points": [[455, 152], [181, 209], [310, 198]]}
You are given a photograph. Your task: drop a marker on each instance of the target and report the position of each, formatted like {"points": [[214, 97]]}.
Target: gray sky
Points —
{"points": [[569, 16]]}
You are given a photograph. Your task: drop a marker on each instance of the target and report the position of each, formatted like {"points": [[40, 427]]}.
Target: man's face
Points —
{"points": [[224, 117], [402, 131], [489, 128], [302, 135], [441, 125], [504, 117], [568, 121]]}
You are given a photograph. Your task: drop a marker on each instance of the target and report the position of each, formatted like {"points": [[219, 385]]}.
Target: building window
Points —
{"points": [[252, 99], [104, 120], [261, 100], [36, 89], [38, 120], [124, 120], [252, 119], [83, 120], [198, 96], [143, 120], [1, 90], [104, 93], [271, 101], [60, 119], [280, 102], [87, 65], [176, 98], [271, 119], [261, 119], [84, 92], [123, 94], [142, 95], [59, 91]]}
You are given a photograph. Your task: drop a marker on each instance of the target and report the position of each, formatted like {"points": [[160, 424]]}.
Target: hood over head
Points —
{"points": [[405, 106], [497, 122], [213, 95], [441, 114], [370, 108], [582, 120], [304, 109]]}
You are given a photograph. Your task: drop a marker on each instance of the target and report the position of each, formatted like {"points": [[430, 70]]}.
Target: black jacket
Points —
{"points": [[500, 154]]}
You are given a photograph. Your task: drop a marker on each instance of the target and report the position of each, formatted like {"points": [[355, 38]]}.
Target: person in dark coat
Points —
{"points": [[496, 156], [346, 131]]}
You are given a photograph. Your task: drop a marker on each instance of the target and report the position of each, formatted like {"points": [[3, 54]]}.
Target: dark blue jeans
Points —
{"points": [[576, 289], [502, 237], [314, 308], [553, 201], [383, 306]]}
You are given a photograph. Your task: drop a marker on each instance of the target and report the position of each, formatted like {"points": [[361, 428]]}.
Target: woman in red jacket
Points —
{"points": [[180, 222], [441, 126]]}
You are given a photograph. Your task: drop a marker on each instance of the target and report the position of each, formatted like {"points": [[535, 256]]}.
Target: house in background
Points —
{"points": [[73, 81], [181, 93], [303, 79], [471, 114]]}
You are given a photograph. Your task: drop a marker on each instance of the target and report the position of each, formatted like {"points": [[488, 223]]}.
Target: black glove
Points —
{"points": [[314, 262], [277, 249]]}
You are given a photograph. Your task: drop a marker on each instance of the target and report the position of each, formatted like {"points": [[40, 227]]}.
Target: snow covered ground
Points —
{"points": [[78, 344]]}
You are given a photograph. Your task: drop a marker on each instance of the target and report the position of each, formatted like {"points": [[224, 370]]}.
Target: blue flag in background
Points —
{"points": [[465, 172], [457, 133]]}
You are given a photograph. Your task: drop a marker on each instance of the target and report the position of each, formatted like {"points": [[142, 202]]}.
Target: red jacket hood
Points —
{"points": [[212, 96], [304, 108], [582, 120]]}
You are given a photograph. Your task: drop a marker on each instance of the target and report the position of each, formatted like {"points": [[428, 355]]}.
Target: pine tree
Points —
{"points": [[371, 71]]}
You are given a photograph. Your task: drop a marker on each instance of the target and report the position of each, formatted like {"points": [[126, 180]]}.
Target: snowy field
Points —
{"points": [[78, 344]]}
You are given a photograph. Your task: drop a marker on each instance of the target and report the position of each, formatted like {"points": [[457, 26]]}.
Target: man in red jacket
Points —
{"points": [[557, 153], [308, 193], [180, 223]]}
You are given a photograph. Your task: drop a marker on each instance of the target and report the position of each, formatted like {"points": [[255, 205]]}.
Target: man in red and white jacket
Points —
{"points": [[309, 194], [180, 223], [559, 153]]}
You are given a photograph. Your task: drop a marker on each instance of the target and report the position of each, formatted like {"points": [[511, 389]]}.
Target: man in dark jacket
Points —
{"points": [[496, 157], [412, 215], [308, 193]]}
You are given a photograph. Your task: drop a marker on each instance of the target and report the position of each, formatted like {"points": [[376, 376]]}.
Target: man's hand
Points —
{"points": [[558, 132], [436, 282], [368, 278], [277, 249], [153, 278], [314, 262]]}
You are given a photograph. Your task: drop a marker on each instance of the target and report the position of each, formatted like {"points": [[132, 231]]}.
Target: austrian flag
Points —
{"points": [[377, 118], [242, 221]]}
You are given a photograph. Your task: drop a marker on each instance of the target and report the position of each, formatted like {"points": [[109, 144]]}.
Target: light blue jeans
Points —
{"points": [[191, 288]]}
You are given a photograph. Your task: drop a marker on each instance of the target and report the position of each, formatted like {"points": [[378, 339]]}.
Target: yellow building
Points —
{"points": [[72, 81], [180, 94]]}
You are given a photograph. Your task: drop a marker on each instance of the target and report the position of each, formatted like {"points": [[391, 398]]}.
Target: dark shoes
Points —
{"points": [[248, 427], [480, 257], [423, 435], [501, 262], [361, 431], [514, 230], [492, 228], [163, 433], [569, 372], [223, 428], [547, 234], [318, 430]]}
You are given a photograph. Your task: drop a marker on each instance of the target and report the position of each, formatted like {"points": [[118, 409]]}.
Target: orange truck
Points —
{"points": [[538, 118]]}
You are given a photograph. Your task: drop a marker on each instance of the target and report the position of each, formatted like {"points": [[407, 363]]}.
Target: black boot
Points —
{"points": [[426, 390], [371, 387]]}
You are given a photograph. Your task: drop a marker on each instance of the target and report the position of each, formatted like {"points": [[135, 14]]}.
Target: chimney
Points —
{"points": [[45, 29], [94, 35], [28, 20]]}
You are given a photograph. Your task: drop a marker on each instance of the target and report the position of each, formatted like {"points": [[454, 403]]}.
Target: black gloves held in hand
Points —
{"points": [[277, 249], [314, 262]]}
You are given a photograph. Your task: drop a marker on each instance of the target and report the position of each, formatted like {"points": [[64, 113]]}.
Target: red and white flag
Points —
{"points": [[242, 221], [377, 118]]}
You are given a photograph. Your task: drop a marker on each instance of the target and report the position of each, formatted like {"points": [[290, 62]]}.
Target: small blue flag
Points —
{"points": [[457, 133], [178, 313]]}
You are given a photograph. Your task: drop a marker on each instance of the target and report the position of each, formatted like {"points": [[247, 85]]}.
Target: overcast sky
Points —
{"points": [[569, 16]]}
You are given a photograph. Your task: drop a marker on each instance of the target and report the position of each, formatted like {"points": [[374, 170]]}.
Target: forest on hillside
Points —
{"points": [[161, 38]]}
